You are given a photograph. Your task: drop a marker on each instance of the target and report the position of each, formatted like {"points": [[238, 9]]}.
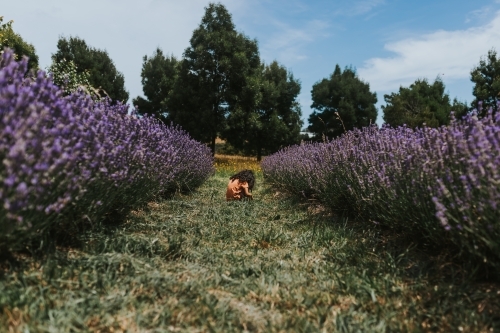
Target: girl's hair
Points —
{"points": [[245, 176]]}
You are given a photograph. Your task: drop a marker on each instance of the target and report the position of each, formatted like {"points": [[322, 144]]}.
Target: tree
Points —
{"points": [[486, 78], [12, 40], [158, 74], [65, 74], [421, 103], [215, 76], [274, 122], [103, 73], [342, 102]]}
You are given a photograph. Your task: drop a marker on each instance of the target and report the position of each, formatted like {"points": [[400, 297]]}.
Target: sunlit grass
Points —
{"points": [[232, 164]]}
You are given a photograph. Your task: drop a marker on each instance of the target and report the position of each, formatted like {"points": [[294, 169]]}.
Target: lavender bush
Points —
{"points": [[68, 162], [442, 184]]}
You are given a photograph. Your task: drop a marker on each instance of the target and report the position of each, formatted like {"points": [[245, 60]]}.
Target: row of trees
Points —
{"points": [[343, 101], [220, 88], [425, 103]]}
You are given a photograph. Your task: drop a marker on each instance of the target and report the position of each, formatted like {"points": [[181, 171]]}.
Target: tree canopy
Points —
{"points": [[341, 102], [216, 76], [421, 103], [486, 79], [158, 77], [221, 89], [103, 74], [9, 38], [65, 74], [275, 121]]}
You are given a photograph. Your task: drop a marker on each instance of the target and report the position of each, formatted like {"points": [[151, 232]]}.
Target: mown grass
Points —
{"points": [[197, 263]]}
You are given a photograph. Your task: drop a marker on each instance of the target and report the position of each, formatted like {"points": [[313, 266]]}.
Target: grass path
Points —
{"points": [[199, 264]]}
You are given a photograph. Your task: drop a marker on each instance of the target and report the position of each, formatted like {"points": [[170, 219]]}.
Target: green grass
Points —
{"points": [[197, 263]]}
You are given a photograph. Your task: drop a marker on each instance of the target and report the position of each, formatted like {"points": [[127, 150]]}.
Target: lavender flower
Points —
{"points": [[441, 183], [70, 160]]}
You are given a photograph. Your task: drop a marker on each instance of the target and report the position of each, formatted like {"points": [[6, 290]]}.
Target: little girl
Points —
{"points": [[240, 185]]}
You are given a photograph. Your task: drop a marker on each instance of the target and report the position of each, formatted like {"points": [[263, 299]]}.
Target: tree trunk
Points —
{"points": [[215, 109], [212, 144], [259, 154]]}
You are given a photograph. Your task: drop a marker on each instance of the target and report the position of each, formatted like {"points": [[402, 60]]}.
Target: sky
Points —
{"points": [[390, 43]]}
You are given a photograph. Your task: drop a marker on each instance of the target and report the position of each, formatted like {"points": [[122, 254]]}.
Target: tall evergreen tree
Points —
{"points": [[275, 121], [9, 38], [486, 78], [158, 76], [102, 70], [215, 76], [421, 103], [342, 102]]}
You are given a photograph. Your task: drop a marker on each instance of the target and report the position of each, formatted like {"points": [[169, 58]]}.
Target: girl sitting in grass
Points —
{"points": [[240, 185]]}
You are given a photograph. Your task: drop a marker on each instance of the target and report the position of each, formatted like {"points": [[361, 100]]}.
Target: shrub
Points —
{"points": [[440, 184], [70, 162], [65, 74]]}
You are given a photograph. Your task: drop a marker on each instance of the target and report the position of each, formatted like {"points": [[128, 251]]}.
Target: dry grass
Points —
{"points": [[233, 164]]}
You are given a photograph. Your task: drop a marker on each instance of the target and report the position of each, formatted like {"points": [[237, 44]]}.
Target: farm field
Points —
{"points": [[197, 263]]}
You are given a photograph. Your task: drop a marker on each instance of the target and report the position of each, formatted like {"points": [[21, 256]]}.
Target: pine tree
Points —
{"points": [[215, 76], [486, 78]]}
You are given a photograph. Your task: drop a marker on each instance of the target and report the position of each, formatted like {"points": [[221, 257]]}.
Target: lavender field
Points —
{"points": [[71, 163], [441, 186], [113, 222]]}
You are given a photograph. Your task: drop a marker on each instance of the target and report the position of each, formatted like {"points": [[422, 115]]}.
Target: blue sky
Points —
{"points": [[391, 43]]}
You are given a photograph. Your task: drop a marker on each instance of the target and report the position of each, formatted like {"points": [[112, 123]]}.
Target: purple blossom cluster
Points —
{"points": [[440, 183], [78, 160]]}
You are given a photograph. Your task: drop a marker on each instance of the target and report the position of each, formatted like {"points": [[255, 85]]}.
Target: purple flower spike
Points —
{"points": [[425, 181], [71, 160]]}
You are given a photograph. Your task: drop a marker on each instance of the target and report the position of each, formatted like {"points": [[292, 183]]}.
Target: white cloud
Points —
{"points": [[449, 53], [289, 43], [479, 14], [127, 29], [355, 8], [366, 6]]}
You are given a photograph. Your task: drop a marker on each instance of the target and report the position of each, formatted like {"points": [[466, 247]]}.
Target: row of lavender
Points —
{"points": [[70, 162], [442, 185]]}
